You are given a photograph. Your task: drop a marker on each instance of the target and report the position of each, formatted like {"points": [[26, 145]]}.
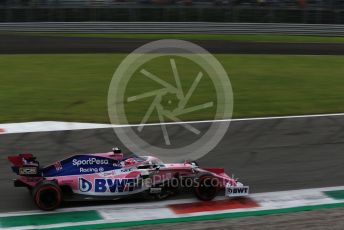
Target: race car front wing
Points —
{"points": [[236, 191]]}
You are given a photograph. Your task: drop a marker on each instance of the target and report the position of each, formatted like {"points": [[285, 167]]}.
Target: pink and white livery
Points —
{"points": [[113, 176]]}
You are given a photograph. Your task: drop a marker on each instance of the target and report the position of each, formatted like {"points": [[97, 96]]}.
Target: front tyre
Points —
{"points": [[206, 187], [47, 195]]}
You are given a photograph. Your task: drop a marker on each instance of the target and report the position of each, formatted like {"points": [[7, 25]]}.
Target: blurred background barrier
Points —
{"points": [[261, 11], [175, 27]]}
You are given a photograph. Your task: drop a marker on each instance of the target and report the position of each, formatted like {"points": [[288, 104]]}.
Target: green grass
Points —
{"points": [[49, 218], [74, 87], [228, 37]]}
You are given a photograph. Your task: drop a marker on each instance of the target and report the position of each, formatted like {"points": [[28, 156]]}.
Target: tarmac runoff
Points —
{"points": [[175, 211], [18, 44]]}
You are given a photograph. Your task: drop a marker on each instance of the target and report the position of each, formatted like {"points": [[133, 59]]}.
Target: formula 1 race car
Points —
{"points": [[112, 176]]}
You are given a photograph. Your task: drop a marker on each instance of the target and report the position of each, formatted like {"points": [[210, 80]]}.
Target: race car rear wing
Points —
{"points": [[24, 164]]}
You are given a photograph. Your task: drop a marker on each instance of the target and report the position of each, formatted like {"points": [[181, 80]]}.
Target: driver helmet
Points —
{"points": [[130, 161], [116, 150]]}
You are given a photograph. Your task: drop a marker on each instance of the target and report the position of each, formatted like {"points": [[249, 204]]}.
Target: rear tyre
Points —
{"points": [[47, 195], [206, 187]]}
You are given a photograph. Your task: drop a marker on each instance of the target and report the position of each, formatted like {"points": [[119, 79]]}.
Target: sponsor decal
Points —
{"points": [[127, 170], [155, 190], [237, 191], [109, 173], [28, 171], [91, 170], [117, 172], [80, 164], [90, 161], [101, 185], [84, 185], [58, 166]]}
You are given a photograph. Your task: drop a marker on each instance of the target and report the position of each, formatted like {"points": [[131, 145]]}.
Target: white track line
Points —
{"points": [[237, 120], [48, 126]]}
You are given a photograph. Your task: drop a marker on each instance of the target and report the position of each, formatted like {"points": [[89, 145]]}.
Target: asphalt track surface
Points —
{"points": [[29, 44], [268, 155]]}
